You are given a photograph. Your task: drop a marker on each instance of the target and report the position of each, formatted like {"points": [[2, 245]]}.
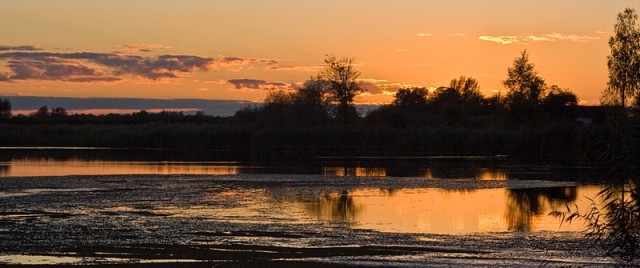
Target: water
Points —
{"points": [[151, 200], [408, 210]]}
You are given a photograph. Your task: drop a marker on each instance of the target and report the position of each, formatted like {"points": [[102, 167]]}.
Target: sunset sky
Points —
{"points": [[236, 50]]}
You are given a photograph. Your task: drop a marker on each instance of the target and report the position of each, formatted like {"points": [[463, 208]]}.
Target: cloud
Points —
{"points": [[88, 66], [382, 87], [293, 68], [237, 64], [504, 39], [457, 35], [19, 48], [572, 37], [109, 67], [423, 34], [137, 48], [256, 84], [530, 38]]}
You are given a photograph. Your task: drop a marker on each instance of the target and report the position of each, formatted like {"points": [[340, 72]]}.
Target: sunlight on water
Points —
{"points": [[357, 171], [50, 167], [421, 210], [448, 212]]}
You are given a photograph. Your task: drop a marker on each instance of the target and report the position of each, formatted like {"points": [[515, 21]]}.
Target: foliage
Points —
{"points": [[342, 77], [411, 97], [624, 61], [615, 224], [525, 87], [558, 100], [469, 89], [5, 108]]}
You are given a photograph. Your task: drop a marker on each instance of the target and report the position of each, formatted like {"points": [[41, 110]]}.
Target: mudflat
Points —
{"points": [[249, 220]]}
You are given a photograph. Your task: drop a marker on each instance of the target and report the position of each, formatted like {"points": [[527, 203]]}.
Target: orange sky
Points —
{"points": [[238, 49]]}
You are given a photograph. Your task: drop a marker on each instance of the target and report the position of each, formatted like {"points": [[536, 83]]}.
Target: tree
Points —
{"points": [[42, 112], [5, 108], [469, 89], [557, 100], [523, 80], [624, 61], [60, 112], [411, 97], [313, 93], [525, 87], [343, 78]]}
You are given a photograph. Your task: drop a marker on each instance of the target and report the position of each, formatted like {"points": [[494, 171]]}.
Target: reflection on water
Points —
{"points": [[391, 209], [50, 167], [354, 171], [75, 166], [443, 211], [523, 205], [335, 207]]}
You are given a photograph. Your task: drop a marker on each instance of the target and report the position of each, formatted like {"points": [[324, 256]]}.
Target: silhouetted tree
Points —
{"points": [[558, 100], [468, 88], [343, 78], [312, 100], [411, 97], [525, 87], [624, 61], [58, 112], [42, 112], [5, 108]]}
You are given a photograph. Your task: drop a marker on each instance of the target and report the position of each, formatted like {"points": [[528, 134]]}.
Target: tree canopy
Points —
{"points": [[525, 87], [342, 77], [5, 108], [624, 61]]}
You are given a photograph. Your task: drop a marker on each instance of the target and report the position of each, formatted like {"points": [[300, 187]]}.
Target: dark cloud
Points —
{"points": [[245, 61], [107, 67], [19, 48], [255, 84], [88, 66]]}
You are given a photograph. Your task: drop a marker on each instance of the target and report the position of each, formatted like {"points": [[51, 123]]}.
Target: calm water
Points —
{"points": [[494, 206]]}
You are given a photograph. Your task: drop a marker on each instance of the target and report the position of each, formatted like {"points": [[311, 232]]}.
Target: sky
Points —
{"points": [[240, 49]]}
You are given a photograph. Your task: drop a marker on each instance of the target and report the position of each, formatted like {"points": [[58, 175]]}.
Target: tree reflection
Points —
{"points": [[5, 165], [524, 204], [335, 207]]}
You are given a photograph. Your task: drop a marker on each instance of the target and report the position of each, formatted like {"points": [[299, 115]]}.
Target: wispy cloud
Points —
{"points": [[294, 68], [382, 87], [19, 48], [137, 48], [572, 37], [237, 63], [532, 38], [457, 35], [256, 84], [423, 34], [503, 39]]}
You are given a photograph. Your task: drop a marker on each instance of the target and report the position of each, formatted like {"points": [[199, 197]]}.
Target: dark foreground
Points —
{"points": [[223, 221]]}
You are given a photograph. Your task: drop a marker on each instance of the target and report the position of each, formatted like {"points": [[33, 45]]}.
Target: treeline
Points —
{"points": [[529, 120]]}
